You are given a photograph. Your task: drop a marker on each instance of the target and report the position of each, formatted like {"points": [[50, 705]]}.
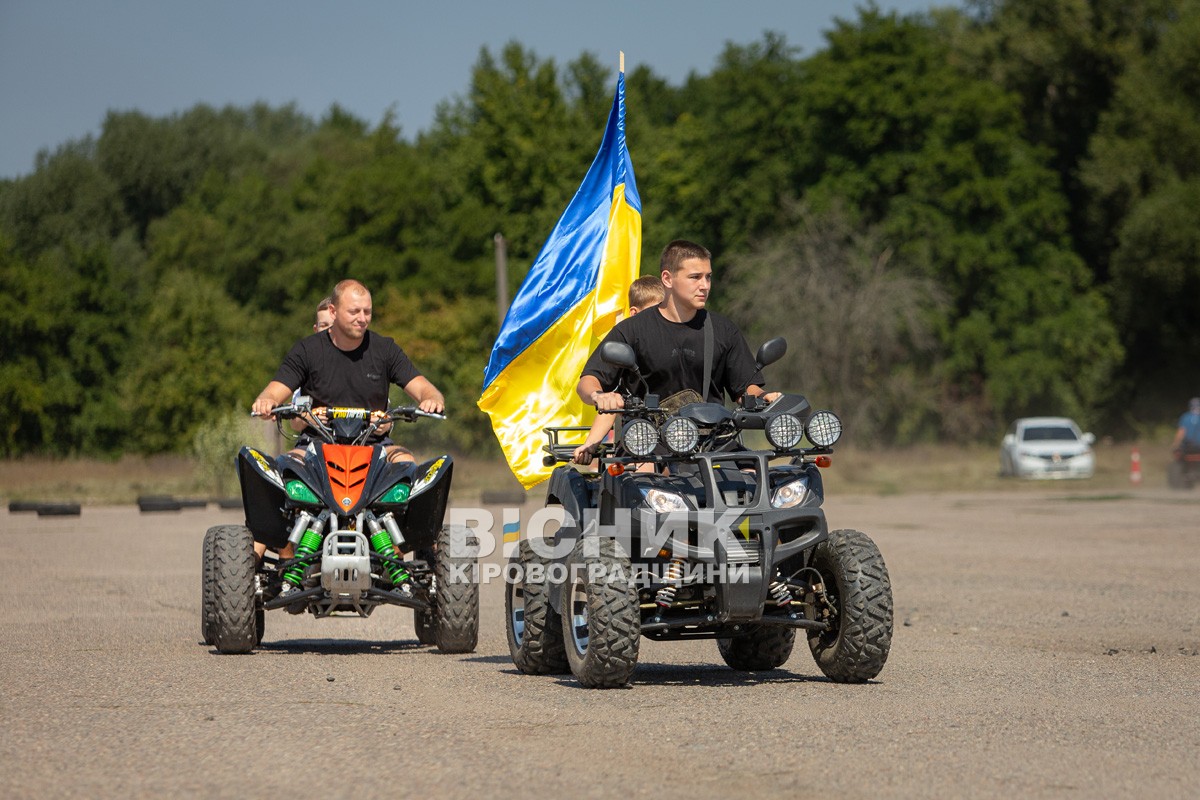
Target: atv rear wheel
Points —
{"points": [[232, 624], [207, 587], [859, 591], [601, 619], [456, 593], [761, 647], [535, 633]]}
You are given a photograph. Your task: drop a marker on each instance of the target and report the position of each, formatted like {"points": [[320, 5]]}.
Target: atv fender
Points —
{"points": [[427, 503], [573, 491], [263, 498]]}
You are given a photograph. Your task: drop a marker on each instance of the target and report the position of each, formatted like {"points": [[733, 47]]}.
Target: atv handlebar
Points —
{"points": [[369, 422]]}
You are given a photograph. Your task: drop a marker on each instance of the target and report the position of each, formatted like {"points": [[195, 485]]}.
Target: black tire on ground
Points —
{"points": [[424, 622], [601, 619], [456, 576], [58, 510], [23, 506], [856, 580], [192, 503], [233, 625], [154, 503], [535, 633], [207, 587], [761, 647], [1177, 476], [228, 502]]}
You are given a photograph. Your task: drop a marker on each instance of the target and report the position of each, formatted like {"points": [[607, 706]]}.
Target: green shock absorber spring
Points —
{"points": [[381, 542], [310, 543]]}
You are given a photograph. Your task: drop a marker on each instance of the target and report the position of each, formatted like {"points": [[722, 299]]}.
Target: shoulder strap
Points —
{"points": [[708, 357]]}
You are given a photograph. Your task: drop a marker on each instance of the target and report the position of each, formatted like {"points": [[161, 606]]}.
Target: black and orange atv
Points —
{"points": [[350, 515]]}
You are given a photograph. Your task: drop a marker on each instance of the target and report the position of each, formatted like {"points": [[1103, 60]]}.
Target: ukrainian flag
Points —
{"points": [[571, 298]]}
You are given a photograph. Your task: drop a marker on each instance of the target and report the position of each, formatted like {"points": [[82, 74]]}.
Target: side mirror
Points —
{"points": [[771, 351], [1090, 438], [619, 354], [1010, 439]]}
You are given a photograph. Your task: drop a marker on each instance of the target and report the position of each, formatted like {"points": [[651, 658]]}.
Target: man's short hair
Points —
{"points": [[680, 250], [324, 304], [646, 290], [348, 285]]}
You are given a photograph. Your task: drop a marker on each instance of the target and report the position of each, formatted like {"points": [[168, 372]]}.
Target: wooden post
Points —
{"points": [[501, 278]]}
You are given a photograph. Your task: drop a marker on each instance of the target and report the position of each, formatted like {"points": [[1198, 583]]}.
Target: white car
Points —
{"points": [[1047, 447]]}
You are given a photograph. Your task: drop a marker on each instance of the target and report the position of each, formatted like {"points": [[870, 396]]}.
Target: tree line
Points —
{"points": [[955, 217]]}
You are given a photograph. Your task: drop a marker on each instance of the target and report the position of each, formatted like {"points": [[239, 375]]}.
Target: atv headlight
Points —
{"points": [[640, 437], [397, 494], [784, 431], [791, 494], [824, 428], [663, 502], [681, 435], [299, 491]]}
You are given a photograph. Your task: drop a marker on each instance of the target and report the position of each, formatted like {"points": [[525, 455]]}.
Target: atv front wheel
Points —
{"points": [[601, 618], [233, 625], [535, 633], [761, 647], [859, 594], [207, 587], [456, 604]]}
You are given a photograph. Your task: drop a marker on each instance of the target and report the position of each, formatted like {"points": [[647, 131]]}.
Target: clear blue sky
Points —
{"points": [[65, 63]]}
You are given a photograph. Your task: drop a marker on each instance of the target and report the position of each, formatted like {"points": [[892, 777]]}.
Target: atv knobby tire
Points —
{"points": [[233, 626], [601, 619], [535, 632], [207, 587], [456, 590], [761, 647], [856, 580]]}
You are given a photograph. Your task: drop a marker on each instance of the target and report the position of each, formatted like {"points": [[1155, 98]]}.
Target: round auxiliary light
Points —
{"points": [[640, 438], [784, 431], [824, 428], [681, 435]]}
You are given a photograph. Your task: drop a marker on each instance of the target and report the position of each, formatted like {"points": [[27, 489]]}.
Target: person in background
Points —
{"points": [[1187, 435], [645, 292]]}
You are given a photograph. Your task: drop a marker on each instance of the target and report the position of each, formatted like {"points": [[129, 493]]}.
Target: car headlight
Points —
{"points": [[681, 435], [640, 437], [791, 494], [824, 428], [663, 502], [784, 431]]}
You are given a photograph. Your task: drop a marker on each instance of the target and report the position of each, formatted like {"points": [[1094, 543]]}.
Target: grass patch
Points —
{"points": [[890, 472]]}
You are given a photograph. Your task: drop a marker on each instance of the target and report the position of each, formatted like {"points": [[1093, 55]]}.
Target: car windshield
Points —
{"points": [[1049, 433]]}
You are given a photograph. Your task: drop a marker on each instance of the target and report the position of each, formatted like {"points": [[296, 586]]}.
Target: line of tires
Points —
{"points": [[145, 503]]}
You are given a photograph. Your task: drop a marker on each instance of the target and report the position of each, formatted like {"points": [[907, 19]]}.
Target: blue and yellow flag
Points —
{"points": [[571, 298]]}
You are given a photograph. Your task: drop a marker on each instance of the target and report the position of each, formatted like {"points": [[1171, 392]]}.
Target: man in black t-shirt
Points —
{"points": [[350, 367], [669, 341]]}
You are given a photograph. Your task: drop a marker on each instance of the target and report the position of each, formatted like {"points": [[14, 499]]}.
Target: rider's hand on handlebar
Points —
{"points": [[432, 405], [608, 401], [262, 408], [583, 454], [381, 419]]}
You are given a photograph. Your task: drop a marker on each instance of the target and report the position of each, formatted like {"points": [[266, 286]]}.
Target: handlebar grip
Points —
{"points": [[549, 461]]}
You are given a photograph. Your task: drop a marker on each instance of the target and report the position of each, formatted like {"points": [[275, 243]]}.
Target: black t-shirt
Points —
{"points": [[670, 355], [357, 378]]}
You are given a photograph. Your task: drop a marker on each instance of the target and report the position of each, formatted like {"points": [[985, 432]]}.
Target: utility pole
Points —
{"points": [[501, 277]]}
